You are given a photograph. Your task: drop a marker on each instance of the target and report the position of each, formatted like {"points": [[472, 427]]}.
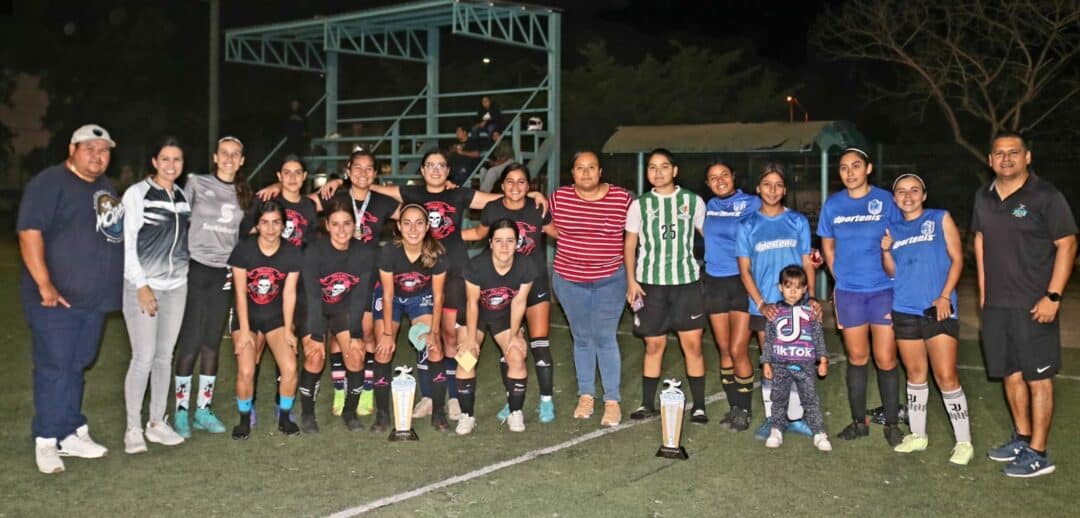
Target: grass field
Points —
{"points": [[610, 474]]}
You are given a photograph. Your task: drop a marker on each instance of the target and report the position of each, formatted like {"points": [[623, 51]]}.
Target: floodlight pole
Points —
{"points": [[213, 117]]}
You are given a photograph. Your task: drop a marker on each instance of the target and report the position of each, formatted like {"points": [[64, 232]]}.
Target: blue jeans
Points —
{"points": [[593, 310], [65, 343]]}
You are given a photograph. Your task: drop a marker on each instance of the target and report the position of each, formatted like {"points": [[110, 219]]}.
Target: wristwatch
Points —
{"points": [[1053, 296]]}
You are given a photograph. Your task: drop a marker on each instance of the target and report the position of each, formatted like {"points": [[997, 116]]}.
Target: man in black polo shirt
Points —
{"points": [[1025, 244]]}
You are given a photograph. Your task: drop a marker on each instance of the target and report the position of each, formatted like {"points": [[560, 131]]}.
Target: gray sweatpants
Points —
{"points": [[804, 379], [153, 339]]}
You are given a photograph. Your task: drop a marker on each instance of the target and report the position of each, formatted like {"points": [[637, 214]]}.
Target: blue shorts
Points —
{"points": [[414, 306], [856, 308]]}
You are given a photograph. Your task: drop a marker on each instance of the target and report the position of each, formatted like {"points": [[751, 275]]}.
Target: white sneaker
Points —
{"points": [[79, 444], [516, 421], [465, 424], [453, 409], [821, 442], [775, 439], [47, 456], [161, 433], [422, 408], [133, 441]]}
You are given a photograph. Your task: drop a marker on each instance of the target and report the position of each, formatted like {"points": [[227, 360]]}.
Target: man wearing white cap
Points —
{"points": [[70, 228]]}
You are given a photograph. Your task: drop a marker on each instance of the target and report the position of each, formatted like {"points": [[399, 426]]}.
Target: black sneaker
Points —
{"points": [[877, 415], [352, 422], [308, 424], [439, 422], [643, 412], [288, 427], [381, 424], [855, 430], [893, 435], [698, 416], [241, 431], [726, 420], [740, 420]]}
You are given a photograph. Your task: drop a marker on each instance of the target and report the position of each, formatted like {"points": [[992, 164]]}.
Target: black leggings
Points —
{"points": [[204, 319]]}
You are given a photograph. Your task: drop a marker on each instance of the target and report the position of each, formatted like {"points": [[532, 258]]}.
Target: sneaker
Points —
{"points": [[367, 403], [381, 424], [740, 420], [775, 439], [453, 409], [516, 421], [465, 424], [47, 456], [504, 413], [422, 408], [1008, 451], [133, 441], [352, 422], [698, 416], [612, 414], [800, 427], [726, 420], [1029, 464], [962, 453], [288, 427], [339, 403], [854, 430], [242, 431], [763, 431], [161, 433], [584, 410], [79, 444], [308, 424], [821, 442], [545, 412], [893, 435], [438, 421], [877, 415], [206, 420], [643, 412], [181, 424], [278, 411], [912, 443]]}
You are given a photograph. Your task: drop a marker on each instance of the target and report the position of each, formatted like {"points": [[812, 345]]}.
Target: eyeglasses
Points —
{"points": [[435, 166]]}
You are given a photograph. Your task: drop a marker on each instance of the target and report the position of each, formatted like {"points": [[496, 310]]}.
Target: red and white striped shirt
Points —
{"points": [[590, 245]]}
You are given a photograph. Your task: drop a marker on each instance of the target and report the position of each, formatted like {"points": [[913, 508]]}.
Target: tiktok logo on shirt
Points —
{"points": [[110, 216]]}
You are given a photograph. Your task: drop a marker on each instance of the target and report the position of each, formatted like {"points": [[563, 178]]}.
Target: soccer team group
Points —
{"points": [[311, 278]]}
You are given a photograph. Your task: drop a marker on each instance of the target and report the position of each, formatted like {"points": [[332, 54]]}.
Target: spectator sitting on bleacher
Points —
{"points": [[464, 155], [501, 157], [489, 118]]}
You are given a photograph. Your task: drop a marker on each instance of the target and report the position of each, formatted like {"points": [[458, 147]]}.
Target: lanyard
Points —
{"points": [[358, 232]]}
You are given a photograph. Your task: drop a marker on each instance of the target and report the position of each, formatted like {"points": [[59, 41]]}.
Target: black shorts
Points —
{"points": [[725, 294], [259, 325], [920, 327], [541, 290], [335, 324], [670, 308], [1013, 342], [757, 323], [454, 291]]}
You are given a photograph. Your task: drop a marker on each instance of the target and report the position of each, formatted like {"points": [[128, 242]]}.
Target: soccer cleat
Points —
{"points": [[516, 421], [465, 424], [726, 420], [775, 439], [800, 427], [206, 420], [740, 420], [278, 411], [821, 442], [47, 457], [877, 415], [763, 431], [339, 402], [352, 422], [643, 412], [698, 416], [962, 453], [382, 422], [854, 430], [181, 424], [1029, 464], [612, 414], [422, 408], [438, 421], [133, 441], [893, 435], [286, 425], [241, 431], [367, 403], [545, 412], [453, 409], [912, 443], [1008, 451], [161, 433], [584, 410], [504, 413], [308, 424], [79, 444]]}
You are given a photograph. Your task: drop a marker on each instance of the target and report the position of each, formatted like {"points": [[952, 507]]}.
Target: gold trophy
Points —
{"points": [[402, 389], [672, 403]]}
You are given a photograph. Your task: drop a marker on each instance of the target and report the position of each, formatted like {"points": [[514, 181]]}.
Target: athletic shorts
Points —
{"points": [[414, 306], [670, 308], [1013, 342], [541, 290], [454, 292], [920, 327], [856, 308], [333, 324], [259, 325], [757, 323], [725, 294]]}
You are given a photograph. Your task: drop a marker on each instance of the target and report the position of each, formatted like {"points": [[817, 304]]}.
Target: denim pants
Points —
{"points": [[65, 343], [593, 310]]}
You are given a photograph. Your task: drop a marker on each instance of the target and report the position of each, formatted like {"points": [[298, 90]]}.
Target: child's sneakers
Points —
{"points": [[821, 442], [776, 438]]}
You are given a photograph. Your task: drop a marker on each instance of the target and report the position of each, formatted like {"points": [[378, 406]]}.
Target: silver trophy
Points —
{"points": [[672, 403], [402, 389]]}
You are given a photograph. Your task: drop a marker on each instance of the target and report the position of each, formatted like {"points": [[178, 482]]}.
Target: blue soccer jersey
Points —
{"points": [[722, 218], [922, 262], [772, 243], [858, 225]]}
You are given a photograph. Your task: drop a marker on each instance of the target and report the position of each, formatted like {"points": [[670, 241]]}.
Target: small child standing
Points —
{"points": [[794, 342]]}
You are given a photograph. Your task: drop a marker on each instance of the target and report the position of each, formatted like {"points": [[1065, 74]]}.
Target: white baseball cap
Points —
{"points": [[91, 132]]}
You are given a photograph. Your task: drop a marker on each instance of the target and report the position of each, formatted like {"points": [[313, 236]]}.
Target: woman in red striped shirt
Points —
{"points": [[590, 280]]}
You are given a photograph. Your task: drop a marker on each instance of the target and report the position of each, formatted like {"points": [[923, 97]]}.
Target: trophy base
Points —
{"points": [[404, 435], [672, 453]]}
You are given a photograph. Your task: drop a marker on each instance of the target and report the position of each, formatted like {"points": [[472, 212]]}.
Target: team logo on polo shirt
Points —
{"points": [[927, 228], [1020, 211], [684, 211], [874, 207], [110, 216]]}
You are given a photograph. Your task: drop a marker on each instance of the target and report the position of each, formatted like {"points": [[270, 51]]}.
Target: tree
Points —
{"points": [[988, 65]]}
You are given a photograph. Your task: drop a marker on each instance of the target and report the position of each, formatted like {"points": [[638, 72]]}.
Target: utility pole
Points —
{"points": [[215, 75]]}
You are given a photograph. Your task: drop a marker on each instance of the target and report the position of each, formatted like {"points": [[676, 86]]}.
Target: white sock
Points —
{"points": [[766, 397], [794, 404], [917, 396], [956, 405], [206, 390], [183, 392]]}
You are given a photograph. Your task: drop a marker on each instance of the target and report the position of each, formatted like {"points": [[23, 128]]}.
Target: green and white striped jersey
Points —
{"points": [[665, 226]]}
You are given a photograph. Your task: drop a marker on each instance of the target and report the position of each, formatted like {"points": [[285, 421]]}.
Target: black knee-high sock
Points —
{"points": [[516, 399], [466, 392], [381, 383], [889, 388], [856, 391], [450, 366], [354, 384], [503, 369], [727, 381], [309, 390], [369, 371], [337, 370], [438, 384], [744, 390], [697, 391], [648, 391], [545, 366], [277, 387]]}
